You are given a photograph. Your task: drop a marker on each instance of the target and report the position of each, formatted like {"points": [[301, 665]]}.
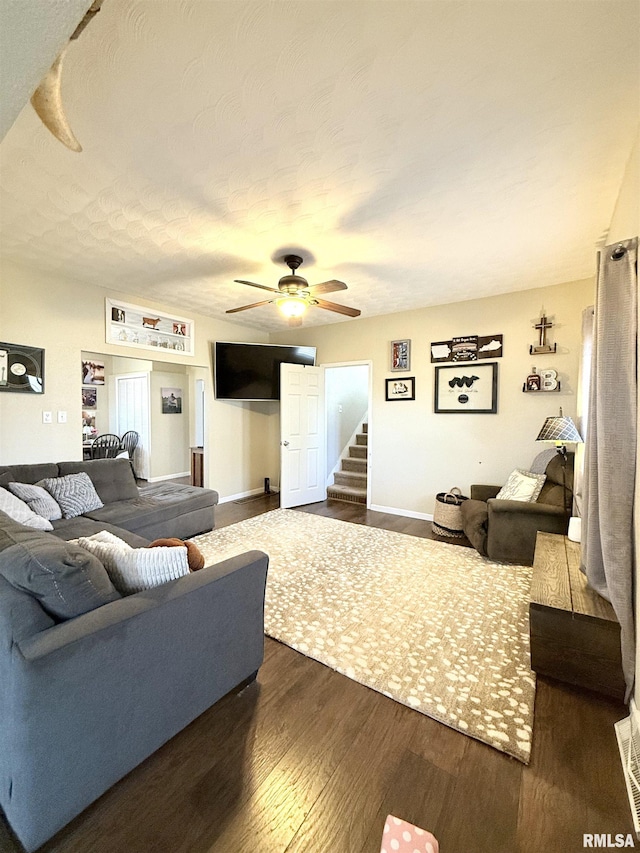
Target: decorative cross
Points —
{"points": [[543, 325]]}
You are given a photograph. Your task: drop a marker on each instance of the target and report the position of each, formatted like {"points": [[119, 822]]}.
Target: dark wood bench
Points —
{"points": [[575, 636]]}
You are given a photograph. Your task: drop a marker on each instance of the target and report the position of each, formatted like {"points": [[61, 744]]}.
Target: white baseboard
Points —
{"points": [[169, 477], [249, 494], [408, 513]]}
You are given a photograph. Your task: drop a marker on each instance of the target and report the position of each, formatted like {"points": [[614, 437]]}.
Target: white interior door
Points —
{"points": [[132, 412], [302, 435]]}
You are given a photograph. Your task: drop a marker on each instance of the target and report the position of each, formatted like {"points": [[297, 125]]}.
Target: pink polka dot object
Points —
{"points": [[402, 837]]}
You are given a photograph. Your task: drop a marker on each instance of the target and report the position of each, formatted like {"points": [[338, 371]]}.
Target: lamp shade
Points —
{"points": [[559, 428], [292, 306]]}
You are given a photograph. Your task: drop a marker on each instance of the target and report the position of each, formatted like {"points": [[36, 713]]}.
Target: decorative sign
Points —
{"points": [[134, 326], [467, 348], [21, 369]]}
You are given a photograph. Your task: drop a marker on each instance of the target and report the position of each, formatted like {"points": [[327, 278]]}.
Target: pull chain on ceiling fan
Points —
{"points": [[295, 295]]}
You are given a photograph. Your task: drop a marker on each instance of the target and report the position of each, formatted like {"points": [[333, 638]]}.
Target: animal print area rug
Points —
{"points": [[434, 626]]}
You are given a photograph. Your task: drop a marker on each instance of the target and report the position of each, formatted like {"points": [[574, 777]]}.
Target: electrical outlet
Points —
{"points": [[62, 417], [47, 418]]}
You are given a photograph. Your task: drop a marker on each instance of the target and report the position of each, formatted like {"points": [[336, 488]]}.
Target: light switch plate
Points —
{"points": [[62, 417], [47, 418]]}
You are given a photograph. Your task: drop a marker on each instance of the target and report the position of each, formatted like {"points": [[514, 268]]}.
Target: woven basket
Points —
{"points": [[447, 515]]}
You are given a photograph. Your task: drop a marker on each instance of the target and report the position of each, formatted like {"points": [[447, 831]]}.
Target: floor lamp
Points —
{"points": [[561, 430]]}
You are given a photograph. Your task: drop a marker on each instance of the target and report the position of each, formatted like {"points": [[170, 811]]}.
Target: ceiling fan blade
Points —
{"points": [[245, 307], [328, 286], [253, 284], [339, 309]]}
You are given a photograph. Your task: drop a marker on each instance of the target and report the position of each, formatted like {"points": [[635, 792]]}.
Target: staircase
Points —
{"points": [[350, 483]]}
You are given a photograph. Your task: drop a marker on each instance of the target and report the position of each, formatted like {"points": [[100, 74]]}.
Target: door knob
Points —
{"points": [[285, 443]]}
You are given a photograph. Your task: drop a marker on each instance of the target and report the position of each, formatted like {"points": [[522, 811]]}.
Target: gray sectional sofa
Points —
{"points": [[83, 700], [151, 512]]}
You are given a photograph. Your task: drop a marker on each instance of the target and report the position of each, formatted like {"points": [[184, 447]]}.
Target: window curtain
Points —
{"points": [[610, 450]]}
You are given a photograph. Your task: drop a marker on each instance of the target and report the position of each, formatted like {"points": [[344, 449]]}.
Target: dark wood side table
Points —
{"points": [[197, 466], [575, 635]]}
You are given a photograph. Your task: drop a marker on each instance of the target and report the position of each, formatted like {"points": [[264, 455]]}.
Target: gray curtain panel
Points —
{"points": [[610, 453]]}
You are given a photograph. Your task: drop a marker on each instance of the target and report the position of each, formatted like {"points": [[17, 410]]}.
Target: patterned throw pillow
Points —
{"points": [[37, 499], [20, 512], [75, 493], [522, 486], [134, 569]]}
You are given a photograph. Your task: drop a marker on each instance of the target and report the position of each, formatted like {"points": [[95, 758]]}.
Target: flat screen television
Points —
{"points": [[252, 371]]}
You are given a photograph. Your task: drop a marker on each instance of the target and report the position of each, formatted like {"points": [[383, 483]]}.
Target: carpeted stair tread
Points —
{"points": [[358, 479], [357, 451], [347, 493], [361, 438], [355, 465]]}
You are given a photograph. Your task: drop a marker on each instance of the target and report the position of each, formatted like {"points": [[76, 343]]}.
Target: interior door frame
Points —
{"points": [[368, 363]]}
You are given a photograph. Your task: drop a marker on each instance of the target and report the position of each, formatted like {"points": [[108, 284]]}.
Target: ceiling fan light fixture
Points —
{"points": [[292, 306]]}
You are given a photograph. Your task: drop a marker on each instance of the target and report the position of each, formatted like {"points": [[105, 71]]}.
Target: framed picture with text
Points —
{"points": [[468, 388], [400, 389]]}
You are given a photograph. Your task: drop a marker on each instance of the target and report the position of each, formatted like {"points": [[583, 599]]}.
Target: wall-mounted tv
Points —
{"points": [[252, 371]]}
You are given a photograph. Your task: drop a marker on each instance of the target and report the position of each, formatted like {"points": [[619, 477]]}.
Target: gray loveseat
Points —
{"points": [[83, 700]]}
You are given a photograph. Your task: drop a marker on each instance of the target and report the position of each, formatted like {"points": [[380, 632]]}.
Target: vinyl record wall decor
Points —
{"points": [[21, 368]]}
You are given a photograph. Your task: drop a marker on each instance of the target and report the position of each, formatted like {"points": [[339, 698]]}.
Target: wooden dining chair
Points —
{"points": [[105, 446], [129, 442]]}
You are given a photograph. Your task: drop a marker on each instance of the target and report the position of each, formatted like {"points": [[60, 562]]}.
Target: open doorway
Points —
{"points": [[348, 420], [132, 413]]}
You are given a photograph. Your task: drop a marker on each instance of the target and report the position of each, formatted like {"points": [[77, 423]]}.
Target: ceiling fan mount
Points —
{"points": [[293, 262], [294, 294]]}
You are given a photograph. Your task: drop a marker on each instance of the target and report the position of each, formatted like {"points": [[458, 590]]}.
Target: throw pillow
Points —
{"points": [[74, 492], [64, 578], [194, 554], [135, 569], [19, 511], [37, 499], [522, 486]]}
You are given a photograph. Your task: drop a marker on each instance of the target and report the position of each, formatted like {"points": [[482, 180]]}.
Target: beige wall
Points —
{"points": [[416, 453], [169, 432], [65, 318]]}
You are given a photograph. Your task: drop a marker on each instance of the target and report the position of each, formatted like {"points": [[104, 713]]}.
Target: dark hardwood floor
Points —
{"points": [[305, 760]]}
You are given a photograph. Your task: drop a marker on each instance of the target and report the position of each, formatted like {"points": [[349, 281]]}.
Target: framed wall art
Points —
{"points": [[135, 326], [400, 355], [470, 388], [21, 368], [89, 398], [400, 389], [171, 401], [93, 372]]}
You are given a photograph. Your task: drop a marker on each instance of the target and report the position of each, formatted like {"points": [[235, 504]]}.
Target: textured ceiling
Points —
{"points": [[423, 152]]}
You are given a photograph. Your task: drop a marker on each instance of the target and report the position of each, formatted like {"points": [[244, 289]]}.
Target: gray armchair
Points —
{"points": [[506, 530]]}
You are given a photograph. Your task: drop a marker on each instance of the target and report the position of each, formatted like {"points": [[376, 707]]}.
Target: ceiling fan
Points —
{"points": [[295, 294]]}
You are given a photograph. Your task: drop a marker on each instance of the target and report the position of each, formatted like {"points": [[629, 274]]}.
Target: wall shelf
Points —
{"points": [[526, 390], [135, 326]]}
